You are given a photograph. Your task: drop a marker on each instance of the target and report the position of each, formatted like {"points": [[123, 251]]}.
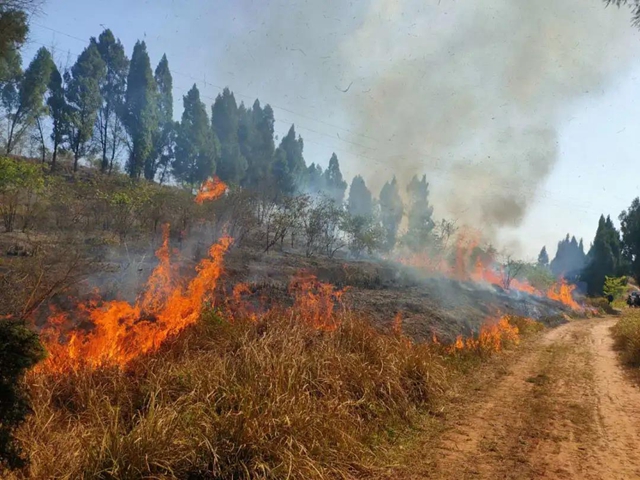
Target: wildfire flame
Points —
{"points": [[122, 331], [493, 335], [211, 189], [315, 301]]}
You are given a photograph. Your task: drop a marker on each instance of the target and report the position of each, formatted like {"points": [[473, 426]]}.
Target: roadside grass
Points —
{"points": [[626, 335]]}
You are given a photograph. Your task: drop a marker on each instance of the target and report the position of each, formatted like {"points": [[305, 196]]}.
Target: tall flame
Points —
{"points": [[210, 190], [315, 301], [122, 331]]}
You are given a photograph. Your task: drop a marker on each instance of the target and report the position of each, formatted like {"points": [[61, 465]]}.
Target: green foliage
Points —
{"points": [[19, 182], [20, 350], [112, 89], [605, 257], [29, 103], [225, 121], [84, 100], [364, 234], [570, 258], [334, 185], [165, 135], [360, 203], [630, 228], [58, 111], [289, 166], [614, 286], [196, 144], [13, 27], [420, 230], [539, 276], [543, 258], [391, 212], [255, 137], [140, 109]]}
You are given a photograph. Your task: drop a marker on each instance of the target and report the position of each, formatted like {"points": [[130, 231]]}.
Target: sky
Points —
{"points": [[300, 56]]}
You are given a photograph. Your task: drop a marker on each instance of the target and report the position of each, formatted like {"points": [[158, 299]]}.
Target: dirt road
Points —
{"points": [[564, 409]]}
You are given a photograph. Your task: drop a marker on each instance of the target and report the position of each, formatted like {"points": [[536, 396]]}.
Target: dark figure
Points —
{"points": [[610, 298]]}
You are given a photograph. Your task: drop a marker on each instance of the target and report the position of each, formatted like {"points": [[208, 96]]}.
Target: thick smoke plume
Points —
{"points": [[471, 93]]}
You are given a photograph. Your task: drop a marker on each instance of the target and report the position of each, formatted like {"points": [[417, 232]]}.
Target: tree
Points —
{"points": [[255, 138], [420, 228], [315, 180], [83, 100], [14, 24], [630, 228], [334, 185], [605, 257], [58, 111], [225, 121], [141, 112], [634, 5], [543, 258], [570, 258], [30, 99], [391, 212], [360, 202], [289, 166], [112, 89], [164, 136], [196, 144]]}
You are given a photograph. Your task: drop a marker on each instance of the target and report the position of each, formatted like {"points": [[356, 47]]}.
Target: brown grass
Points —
{"points": [[626, 334]]}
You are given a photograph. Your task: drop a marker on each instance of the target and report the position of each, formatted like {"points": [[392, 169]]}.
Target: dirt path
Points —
{"points": [[565, 409]]}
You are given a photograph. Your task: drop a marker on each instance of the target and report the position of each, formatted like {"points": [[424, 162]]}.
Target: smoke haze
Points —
{"points": [[471, 93]]}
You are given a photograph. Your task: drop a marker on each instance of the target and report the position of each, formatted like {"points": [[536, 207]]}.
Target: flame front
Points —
{"points": [[122, 331], [315, 301], [210, 190]]}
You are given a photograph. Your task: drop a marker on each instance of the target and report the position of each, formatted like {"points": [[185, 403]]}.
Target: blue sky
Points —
{"points": [[598, 141]]}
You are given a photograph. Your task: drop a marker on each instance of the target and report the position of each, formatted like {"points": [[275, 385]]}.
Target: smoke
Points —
{"points": [[471, 93]]}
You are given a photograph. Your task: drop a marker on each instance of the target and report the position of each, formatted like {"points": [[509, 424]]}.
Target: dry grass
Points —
{"points": [[274, 399], [626, 334]]}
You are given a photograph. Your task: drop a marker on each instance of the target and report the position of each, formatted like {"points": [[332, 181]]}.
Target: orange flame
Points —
{"points": [[563, 292], [315, 301], [121, 331], [210, 190], [491, 339]]}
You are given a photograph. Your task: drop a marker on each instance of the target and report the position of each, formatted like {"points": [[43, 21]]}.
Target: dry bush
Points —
{"points": [[273, 399], [626, 334]]}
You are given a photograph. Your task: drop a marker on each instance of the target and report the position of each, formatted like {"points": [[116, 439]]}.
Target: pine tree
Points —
{"points": [[570, 258], [29, 102], [543, 258], [604, 257], [164, 136], [225, 121], [141, 111], [316, 180], [630, 228], [334, 184], [256, 141], [196, 144], [360, 203], [289, 166], [58, 111], [391, 212], [84, 100], [420, 217], [112, 87]]}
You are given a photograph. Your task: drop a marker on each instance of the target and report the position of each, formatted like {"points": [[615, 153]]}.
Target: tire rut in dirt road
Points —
{"points": [[565, 410]]}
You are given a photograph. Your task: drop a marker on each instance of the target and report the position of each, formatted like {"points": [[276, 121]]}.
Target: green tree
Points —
{"points": [[196, 144], [83, 100], [225, 121], [420, 228], [605, 257], [140, 111], [14, 24], [30, 99], [334, 185], [289, 167], [360, 203], [614, 286], [391, 212], [112, 88], [164, 136], [316, 180], [19, 182], [58, 111], [20, 350], [630, 228], [543, 258], [570, 258]]}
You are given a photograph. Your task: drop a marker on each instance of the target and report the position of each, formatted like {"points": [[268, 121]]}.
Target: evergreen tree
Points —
{"points": [[604, 257], [335, 185], [570, 258], [420, 218], [289, 166], [13, 26], [112, 87], [543, 257], [256, 141], [29, 102], [225, 121], [391, 212], [141, 115], [316, 180], [164, 136], [360, 203], [196, 144], [58, 111], [630, 227]]}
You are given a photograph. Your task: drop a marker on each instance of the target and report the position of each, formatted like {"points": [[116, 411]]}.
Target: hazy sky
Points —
{"points": [[297, 56]]}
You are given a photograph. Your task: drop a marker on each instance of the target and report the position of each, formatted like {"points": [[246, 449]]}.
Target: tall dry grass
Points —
{"points": [[273, 399], [626, 334]]}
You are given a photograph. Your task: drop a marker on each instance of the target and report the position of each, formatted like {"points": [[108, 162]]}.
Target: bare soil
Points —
{"points": [[563, 408]]}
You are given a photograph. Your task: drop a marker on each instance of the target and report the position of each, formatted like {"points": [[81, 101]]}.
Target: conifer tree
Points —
{"points": [[316, 180], [543, 258], [141, 111], [420, 217], [630, 228], [333, 182], [58, 111], [391, 212], [112, 87], [360, 203], [289, 166], [605, 257], [196, 144], [164, 136], [225, 121]]}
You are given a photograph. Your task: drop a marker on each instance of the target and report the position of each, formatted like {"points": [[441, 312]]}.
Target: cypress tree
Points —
{"points": [[360, 203], [391, 212], [164, 136], [225, 121], [334, 184]]}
